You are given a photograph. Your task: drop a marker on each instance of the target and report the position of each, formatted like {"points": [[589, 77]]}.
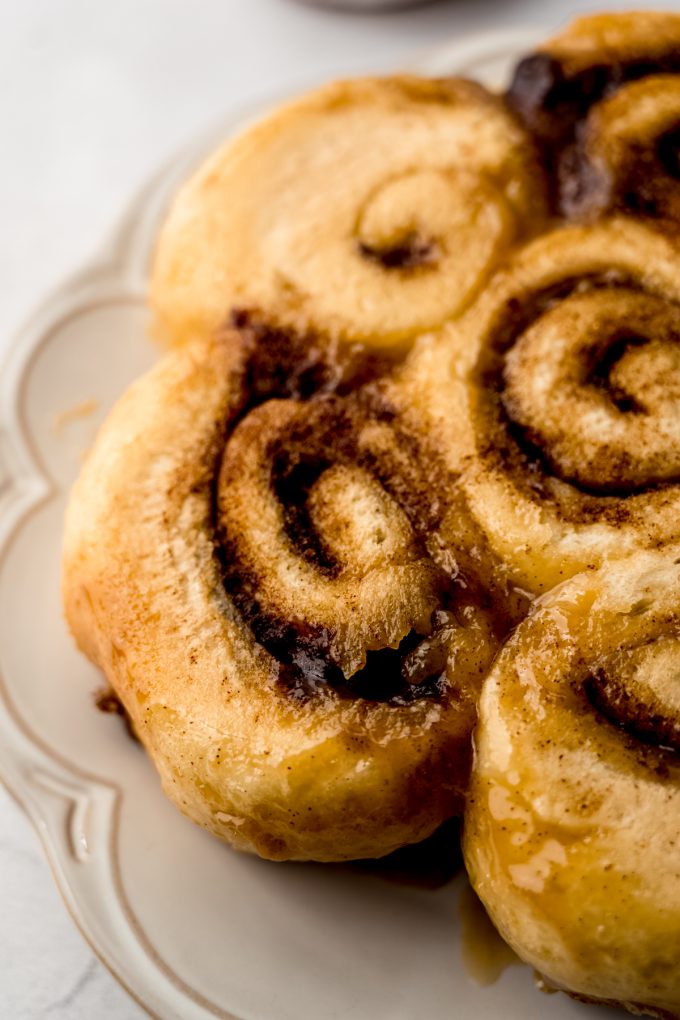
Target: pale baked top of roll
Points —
{"points": [[365, 211]]}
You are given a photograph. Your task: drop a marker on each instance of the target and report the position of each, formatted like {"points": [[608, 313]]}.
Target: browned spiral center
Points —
{"points": [[594, 384], [583, 385], [638, 690], [315, 534]]}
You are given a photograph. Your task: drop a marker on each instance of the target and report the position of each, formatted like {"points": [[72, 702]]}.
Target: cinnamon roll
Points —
{"points": [[573, 820], [366, 212], [555, 402], [603, 99], [248, 570]]}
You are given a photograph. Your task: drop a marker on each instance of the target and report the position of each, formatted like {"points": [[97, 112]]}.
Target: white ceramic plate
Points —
{"points": [[190, 928]]}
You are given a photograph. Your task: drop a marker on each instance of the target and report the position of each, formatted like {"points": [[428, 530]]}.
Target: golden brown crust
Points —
{"points": [[242, 657], [571, 830], [365, 211], [614, 39]]}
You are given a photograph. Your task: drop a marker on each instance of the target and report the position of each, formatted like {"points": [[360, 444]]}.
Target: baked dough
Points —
{"points": [[603, 101], [366, 211], [573, 820], [554, 402], [245, 572]]}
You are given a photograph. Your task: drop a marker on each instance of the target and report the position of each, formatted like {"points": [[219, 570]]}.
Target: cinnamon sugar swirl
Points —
{"points": [[573, 820], [555, 399], [366, 212], [603, 100], [251, 573]]}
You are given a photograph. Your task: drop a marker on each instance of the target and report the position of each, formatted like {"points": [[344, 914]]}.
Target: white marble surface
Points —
{"points": [[93, 96]]}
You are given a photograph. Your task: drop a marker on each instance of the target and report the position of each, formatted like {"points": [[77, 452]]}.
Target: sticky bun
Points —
{"points": [[573, 820], [251, 572], [554, 402], [366, 211]]}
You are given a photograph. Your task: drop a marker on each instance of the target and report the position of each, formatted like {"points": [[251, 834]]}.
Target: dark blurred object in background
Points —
{"points": [[367, 5]]}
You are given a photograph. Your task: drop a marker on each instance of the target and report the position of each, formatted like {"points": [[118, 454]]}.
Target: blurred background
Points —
{"points": [[94, 97]]}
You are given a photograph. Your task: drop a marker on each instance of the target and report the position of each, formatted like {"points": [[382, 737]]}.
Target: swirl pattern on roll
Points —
{"points": [[299, 660], [603, 100], [555, 402], [572, 825], [364, 212]]}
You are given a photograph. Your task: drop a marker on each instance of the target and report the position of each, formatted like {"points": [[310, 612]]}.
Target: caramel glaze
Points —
{"points": [[518, 448], [553, 102], [336, 386], [485, 955]]}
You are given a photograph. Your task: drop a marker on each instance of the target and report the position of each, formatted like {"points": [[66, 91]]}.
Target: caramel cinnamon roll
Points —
{"points": [[246, 570], [366, 211], [573, 820], [555, 402], [603, 98]]}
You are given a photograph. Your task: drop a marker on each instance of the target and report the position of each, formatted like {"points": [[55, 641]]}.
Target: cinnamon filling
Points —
{"points": [[554, 105], [300, 366], [300, 477], [397, 676], [412, 252], [629, 712], [585, 414], [668, 152], [603, 363], [551, 101]]}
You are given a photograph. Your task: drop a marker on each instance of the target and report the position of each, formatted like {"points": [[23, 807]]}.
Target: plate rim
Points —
{"points": [[33, 772]]}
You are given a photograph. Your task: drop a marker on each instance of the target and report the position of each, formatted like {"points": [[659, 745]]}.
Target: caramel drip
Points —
{"points": [[485, 955], [575, 786], [107, 701]]}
